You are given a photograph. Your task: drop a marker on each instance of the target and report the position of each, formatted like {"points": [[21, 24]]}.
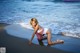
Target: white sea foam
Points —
{"points": [[60, 17]]}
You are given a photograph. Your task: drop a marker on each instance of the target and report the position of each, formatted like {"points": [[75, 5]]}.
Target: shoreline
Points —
{"points": [[19, 45]]}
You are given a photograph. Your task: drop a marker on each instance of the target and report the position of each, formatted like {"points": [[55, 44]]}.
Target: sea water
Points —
{"points": [[58, 16]]}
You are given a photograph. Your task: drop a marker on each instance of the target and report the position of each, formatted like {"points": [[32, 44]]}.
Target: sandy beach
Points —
{"points": [[57, 15], [19, 45]]}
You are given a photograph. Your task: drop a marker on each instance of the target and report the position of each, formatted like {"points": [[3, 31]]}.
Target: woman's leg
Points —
{"points": [[49, 36], [49, 39], [40, 42]]}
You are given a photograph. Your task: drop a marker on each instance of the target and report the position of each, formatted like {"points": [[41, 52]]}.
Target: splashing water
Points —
{"points": [[60, 17]]}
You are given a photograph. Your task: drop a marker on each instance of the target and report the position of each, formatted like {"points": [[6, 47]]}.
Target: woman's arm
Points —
{"points": [[35, 30], [32, 36]]}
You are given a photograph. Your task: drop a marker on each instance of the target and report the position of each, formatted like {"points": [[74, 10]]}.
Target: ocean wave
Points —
{"points": [[60, 17]]}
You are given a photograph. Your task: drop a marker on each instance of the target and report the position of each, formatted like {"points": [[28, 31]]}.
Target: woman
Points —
{"points": [[39, 31]]}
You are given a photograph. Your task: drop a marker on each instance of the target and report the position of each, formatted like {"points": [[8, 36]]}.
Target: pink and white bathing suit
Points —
{"points": [[43, 30]]}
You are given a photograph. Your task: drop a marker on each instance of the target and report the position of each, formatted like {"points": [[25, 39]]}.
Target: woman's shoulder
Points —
{"points": [[38, 25]]}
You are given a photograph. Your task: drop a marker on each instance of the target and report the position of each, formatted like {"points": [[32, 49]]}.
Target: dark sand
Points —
{"points": [[18, 45]]}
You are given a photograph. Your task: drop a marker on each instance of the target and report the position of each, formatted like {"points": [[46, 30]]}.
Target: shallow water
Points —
{"points": [[70, 44], [59, 16]]}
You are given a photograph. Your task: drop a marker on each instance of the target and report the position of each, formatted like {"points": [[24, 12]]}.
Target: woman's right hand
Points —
{"points": [[30, 42]]}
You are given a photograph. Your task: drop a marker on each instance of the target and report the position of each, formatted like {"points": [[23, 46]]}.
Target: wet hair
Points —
{"points": [[33, 19]]}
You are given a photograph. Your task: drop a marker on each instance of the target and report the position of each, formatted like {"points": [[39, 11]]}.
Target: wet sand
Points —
{"points": [[19, 45]]}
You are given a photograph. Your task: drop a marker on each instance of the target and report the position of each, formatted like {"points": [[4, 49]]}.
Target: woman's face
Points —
{"points": [[33, 23]]}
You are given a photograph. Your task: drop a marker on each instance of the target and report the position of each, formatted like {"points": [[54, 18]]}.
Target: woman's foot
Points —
{"points": [[56, 42], [60, 41]]}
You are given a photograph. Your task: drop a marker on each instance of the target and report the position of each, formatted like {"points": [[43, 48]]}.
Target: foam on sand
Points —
{"points": [[25, 32]]}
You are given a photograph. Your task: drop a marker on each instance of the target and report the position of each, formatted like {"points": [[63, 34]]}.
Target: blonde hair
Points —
{"points": [[35, 20]]}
